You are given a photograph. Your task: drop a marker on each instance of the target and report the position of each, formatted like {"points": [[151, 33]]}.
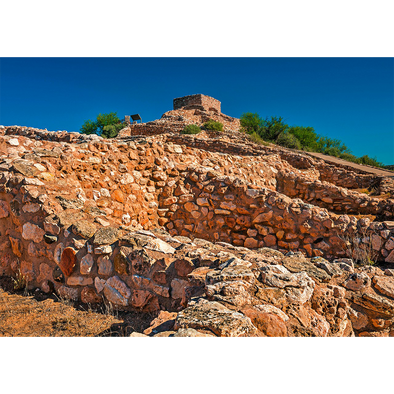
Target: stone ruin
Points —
{"points": [[226, 237]]}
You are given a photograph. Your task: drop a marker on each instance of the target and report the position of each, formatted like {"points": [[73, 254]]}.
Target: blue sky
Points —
{"points": [[351, 99]]}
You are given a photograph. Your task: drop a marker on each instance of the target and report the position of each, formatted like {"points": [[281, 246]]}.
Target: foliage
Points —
{"points": [[306, 136], [272, 128], [257, 139], [288, 140], [275, 130], [97, 126], [251, 123], [212, 125], [331, 146], [112, 130], [191, 129]]}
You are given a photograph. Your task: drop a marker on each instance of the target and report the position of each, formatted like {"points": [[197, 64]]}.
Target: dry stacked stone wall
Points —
{"points": [[197, 101], [81, 215]]}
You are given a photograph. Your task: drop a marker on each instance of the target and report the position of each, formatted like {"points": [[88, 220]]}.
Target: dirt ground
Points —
{"points": [[368, 169], [37, 314]]}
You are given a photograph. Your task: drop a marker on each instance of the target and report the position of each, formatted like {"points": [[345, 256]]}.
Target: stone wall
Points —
{"points": [[75, 213], [197, 101]]}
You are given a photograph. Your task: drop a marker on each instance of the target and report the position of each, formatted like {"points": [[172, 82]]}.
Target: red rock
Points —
{"points": [[270, 240], [68, 260], [183, 267], [89, 296], [268, 323], [4, 209], [251, 243]]}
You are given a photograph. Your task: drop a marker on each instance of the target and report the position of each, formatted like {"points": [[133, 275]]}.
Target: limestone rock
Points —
{"points": [[116, 291], [106, 236], [214, 317], [84, 229]]}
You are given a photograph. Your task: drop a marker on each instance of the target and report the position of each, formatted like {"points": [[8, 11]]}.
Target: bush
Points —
{"points": [[212, 125], [288, 140], [273, 128], [102, 120], [111, 131], [251, 123], [306, 135], [191, 129], [257, 139]]}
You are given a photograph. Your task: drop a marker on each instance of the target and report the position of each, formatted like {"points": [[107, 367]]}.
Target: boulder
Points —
{"points": [[106, 236], [214, 317]]}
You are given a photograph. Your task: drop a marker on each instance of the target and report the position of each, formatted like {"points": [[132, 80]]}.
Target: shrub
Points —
{"points": [[102, 120], [191, 129], [288, 140], [257, 139], [251, 123], [212, 125], [111, 131], [273, 128]]}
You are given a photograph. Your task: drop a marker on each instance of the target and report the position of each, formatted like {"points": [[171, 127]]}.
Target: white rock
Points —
{"points": [[13, 142]]}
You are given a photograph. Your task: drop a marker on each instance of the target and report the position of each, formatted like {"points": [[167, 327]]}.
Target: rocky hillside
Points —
{"points": [[215, 235]]}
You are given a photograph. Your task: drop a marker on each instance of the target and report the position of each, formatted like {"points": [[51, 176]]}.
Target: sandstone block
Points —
{"points": [[84, 229], [357, 281], [384, 285], [203, 202], [104, 265], [251, 243], [89, 296], [68, 260], [228, 205], [389, 245], [222, 212], [4, 209], [86, 264], [269, 240], [263, 217], [390, 257], [117, 291], [32, 232], [189, 207]]}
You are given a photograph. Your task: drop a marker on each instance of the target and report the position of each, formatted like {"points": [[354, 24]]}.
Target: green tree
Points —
{"points": [[97, 126], [272, 128], [251, 123], [306, 135]]}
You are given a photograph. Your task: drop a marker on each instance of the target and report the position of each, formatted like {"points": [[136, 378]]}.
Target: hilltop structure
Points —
{"points": [[194, 109]]}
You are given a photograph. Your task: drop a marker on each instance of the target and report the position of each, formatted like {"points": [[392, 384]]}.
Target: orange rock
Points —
{"points": [[68, 260], [117, 195]]}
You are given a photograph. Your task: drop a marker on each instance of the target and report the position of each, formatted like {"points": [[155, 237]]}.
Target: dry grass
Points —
{"points": [[22, 316], [360, 249]]}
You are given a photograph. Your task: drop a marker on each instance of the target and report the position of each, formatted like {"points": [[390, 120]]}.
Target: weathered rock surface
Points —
{"points": [[232, 238]]}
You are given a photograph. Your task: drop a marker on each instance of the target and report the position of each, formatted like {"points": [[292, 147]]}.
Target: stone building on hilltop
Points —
{"points": [[193, 109]]}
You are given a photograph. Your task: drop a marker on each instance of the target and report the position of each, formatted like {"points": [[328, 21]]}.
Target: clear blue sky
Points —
{"points": [[351, 99]]}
